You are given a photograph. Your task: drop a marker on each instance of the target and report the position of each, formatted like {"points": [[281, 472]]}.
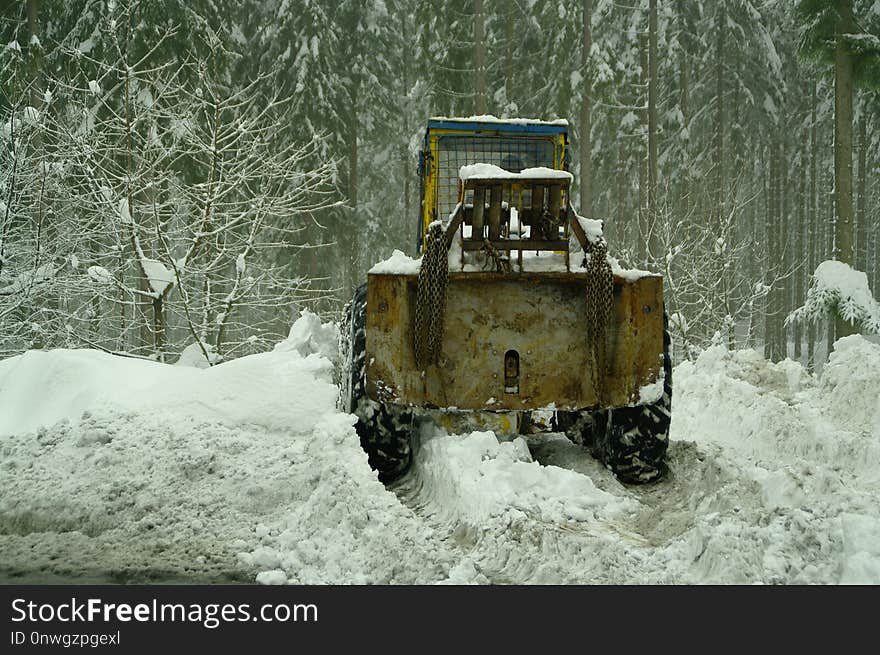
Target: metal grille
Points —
{"points": [[510, 154]]}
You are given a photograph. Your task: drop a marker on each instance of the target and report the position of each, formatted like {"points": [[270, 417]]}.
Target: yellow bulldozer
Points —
{"points": [[513, 309]]}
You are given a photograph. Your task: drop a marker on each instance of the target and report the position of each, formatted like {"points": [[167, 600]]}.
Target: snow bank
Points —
{"points": [[499, 479], [515, 520], [799, 459], [488, 479], [849, 389], [309, 336], [41, 388], [143, 470], [345, 527], [861, 537], [194, 355], [270, 390], [778, 411], [128, 470]]}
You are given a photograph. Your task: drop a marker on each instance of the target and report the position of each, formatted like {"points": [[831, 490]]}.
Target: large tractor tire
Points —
{"points": [[384, 430], [631, 441]]}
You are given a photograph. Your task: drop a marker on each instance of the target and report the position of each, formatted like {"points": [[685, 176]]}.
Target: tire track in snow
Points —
{"points": [[710, 521], [515, 520]]}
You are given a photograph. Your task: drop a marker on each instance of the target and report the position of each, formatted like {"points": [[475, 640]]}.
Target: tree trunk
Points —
{"points": [[652, 126], [784, 254], [479, 59], [508, 55], [408, 220], [829, 211], [843, 168], [643, 160], [586, 147], [800, 256], [34, 54], [757, 218], [353, 149], [350, 281], [621, 189], [862, 215], [685, 114], [159, 328], [875, 245], [718, 154], [812, 220], [770, 230]]}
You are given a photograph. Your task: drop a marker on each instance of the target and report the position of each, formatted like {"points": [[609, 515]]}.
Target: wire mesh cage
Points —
{"points": [[512, 155]]}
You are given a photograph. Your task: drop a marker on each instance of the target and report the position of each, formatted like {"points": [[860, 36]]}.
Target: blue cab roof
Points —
{"points": [[517, 126]]}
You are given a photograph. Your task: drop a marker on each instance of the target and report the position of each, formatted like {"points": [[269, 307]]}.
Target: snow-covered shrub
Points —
{"points": [[839, 290], [146, 200]]}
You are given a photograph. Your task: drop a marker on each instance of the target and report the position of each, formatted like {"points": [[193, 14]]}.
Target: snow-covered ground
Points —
{"points": [[116, 469]]}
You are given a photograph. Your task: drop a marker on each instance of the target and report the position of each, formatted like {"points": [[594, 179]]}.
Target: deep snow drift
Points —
{"points": [[122, 469], [168, 472]]}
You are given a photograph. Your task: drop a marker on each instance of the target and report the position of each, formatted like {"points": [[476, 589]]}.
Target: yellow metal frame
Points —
{"points": [[431, 181]]}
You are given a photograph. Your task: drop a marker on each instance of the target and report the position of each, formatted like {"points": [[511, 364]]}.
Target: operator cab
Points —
{"points": [[511, 144]]}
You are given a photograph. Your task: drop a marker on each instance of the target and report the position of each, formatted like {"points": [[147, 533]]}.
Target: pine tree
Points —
{"points": [[833, 30]]}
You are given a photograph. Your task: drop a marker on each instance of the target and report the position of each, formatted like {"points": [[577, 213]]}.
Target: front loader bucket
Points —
{"points": [[515, 341]]}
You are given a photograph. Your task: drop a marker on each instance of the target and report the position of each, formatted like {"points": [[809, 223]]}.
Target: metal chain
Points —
{"points": [[431, 297], [600, 298]]}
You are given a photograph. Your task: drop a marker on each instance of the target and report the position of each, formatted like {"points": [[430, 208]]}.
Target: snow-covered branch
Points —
{"points": [[839, 290]]}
